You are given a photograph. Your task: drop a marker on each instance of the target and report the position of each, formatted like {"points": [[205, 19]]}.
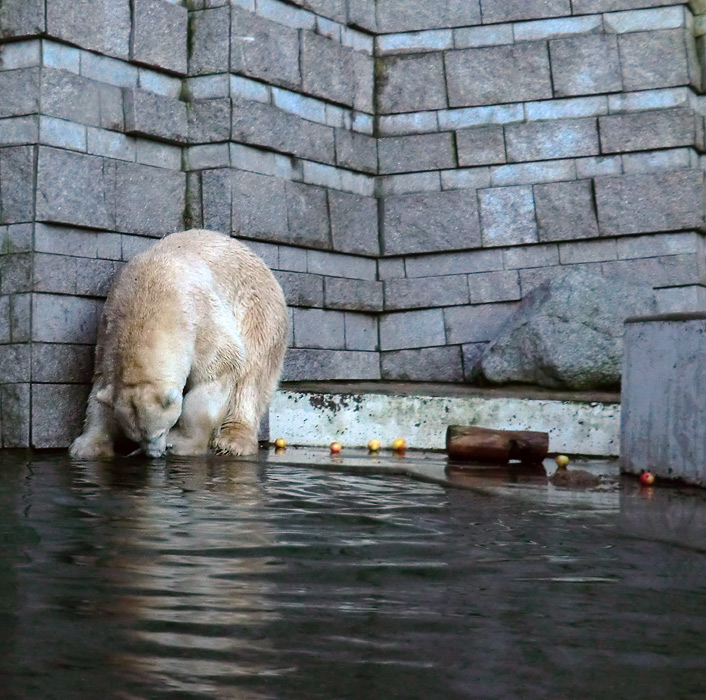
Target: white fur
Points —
{"points": [[190, 350]]}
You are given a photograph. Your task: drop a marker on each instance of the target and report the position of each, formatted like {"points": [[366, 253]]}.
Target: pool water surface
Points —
{"points": [[214, 578]]}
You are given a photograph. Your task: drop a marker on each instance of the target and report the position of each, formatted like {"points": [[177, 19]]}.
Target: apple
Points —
{"points": [[335, 448], [561, 460], [647, 478], [399, 445], [374, 445], [280, 443]]}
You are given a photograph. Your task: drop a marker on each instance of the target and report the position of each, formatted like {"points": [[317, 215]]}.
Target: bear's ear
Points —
{"points": [[105, 395], [171, 397]]}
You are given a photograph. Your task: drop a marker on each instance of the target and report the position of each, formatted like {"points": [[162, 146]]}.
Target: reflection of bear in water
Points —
{"points": [[190, 350]]}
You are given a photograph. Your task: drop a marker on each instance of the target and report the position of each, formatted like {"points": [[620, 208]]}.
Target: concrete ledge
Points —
{"points": [[315, 414]]}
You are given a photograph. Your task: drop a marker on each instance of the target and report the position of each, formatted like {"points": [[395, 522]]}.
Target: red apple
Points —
{"points": [[647, 478]]}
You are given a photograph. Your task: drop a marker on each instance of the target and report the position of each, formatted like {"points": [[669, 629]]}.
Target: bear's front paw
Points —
{"points": [[92, 447], [236, 439]]}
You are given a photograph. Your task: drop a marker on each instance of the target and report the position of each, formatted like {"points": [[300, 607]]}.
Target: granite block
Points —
{"points": [[263, 49], [17, 171], [209, 41], [472, 354], [62, 363], [490, 75], [301, 289], [399, 154], [508, 216], [57, 413], [307, 215], [474, 324], [159, 35], [361, 331], [208, 120], [357, 295], [20, 92], [650, 202], [317, 328], [426, 292], [331, 365], [410, 83], [442, 364], [487, 287], [511, 10], [327, 69], [653, 129], [21, 318], [15, 406], [412, 329], [64, 319], [363, 83], [5, 319], [356, 151], [155, 116], [148, 200], [415, 15], [585, 65], [430, 222], [216, 200], [15, 273], [259, 206], [484, 145], [453, 263], [354, 223], [20, 18], [552, 139], [588, 251], [68, 96], [565, 211]]}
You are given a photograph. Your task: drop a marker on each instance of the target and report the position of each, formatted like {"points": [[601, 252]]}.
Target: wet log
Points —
{"points": [[472, 444]]}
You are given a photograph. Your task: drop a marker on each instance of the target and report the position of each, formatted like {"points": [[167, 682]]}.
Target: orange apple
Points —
{"points": [[335, 448], [374, 445], [399, 445]]}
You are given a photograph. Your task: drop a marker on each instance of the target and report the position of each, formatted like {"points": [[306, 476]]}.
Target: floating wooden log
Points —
{"points": [[472, 444]]}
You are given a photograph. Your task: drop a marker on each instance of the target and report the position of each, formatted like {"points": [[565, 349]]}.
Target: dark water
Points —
{"points": [[217, 579]]}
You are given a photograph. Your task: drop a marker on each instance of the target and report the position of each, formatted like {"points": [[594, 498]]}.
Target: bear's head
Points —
{"points": [[145, 413]]}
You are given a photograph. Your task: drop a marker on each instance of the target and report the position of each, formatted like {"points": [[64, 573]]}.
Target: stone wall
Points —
{"points": [[409, 169]]}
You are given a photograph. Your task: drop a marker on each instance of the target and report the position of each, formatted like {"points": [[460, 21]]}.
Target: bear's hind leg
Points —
{"points": [[201, 415], [238, 433]]}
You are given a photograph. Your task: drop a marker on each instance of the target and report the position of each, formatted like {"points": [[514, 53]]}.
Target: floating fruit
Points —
{"points": [[562, 461], [647, 478], [280, 443], [374, 445], [399, 445], [335, 448]]}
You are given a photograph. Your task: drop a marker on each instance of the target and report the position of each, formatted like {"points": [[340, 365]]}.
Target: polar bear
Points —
{"points": [[190, 350]]}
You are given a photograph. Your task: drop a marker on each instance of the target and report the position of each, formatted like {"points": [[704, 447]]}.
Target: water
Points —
{"points": [[219, 579]]}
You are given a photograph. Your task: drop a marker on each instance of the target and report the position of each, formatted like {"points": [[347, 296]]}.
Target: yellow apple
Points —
{"points": [[374, 445], [281, 443], [561, 460], [398, 444]]}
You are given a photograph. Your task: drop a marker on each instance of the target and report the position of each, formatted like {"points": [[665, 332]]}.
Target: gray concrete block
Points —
{"points": [[391, 268], [399, 154], [216, 200], [72, 97], [55, 273], [65, 363], [681, 299], [263, 49], [336, 265], [333, 9], [317, 328], [101, 142], [582, 7], [21, 318], [98, 25], [472, 354], [111, 107], [148, 201], [20, 91], [588, 251], [259, 206], [651, 202], [667, 271], [155, 116], [551, 139], [654, 59], [19, 131], [17, 171], [410, 83], [265, 125], [361, 332], [15, 404], [487, 287], [349, 294], [354, 223], [159, 34], [361, 13], [209, 155], [443, 364], [15, 273], [653, 129], [356, 151], [510, 10], [659, 244], [209, 41], [413, 15], [208, 120], [64, 319], [14, 363], [426, 292], [536, 256], [454, 263], [363, 82], [331, 365], [57, 413], [662, 426], [307, 215], [507, 216], [585, 65], [301, 289], [430, 222], [474, 324], [483, 145], [16, 238], [327, 69], [412, 329], [292, 259], [565, 211], [20, 18], [486, 76], [5, 321], [95, 277], [158, 154]]}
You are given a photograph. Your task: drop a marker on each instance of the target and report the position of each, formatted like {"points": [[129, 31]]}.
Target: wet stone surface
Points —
{"points": [[301, 575]]}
